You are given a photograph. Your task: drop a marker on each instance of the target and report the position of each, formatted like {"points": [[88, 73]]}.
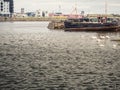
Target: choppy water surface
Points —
{"points": [[33, 57]]}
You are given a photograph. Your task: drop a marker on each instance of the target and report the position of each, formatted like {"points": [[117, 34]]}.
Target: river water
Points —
{"points": [[33, 57]]}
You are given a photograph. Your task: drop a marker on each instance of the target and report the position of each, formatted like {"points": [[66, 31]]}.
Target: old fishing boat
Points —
{"points": [[91, 24]]}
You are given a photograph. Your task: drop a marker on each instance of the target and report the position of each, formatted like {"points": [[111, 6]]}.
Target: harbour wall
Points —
{"points": [[30, 19]]}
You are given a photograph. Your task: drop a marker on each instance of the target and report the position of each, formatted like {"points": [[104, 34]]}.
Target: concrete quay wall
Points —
{"points": [[30, 19]]}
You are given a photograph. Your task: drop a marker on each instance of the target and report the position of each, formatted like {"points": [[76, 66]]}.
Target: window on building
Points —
{"points": [[1, 3], [1, 9]]}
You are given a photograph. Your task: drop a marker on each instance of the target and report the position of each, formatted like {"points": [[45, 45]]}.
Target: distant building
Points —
{"points": [[38, 13], [82, 13], [22, 11], [41, 13], [30, 14], [6, 8], [19, 15]]}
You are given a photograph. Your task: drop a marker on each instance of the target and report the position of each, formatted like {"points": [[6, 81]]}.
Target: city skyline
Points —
{"points": [[66, 6]]}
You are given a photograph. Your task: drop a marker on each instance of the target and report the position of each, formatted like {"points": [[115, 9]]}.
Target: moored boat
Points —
{"points": [[91, 24], [56, 25]]}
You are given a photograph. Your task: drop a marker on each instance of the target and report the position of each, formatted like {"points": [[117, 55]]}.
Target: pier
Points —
{"points": [[56, 25]]}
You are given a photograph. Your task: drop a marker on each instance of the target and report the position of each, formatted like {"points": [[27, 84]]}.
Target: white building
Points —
{"points": [[6, 7], [41, 13], [38, 13]]}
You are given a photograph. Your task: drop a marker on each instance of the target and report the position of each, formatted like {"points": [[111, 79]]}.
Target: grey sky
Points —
{"points": [[89, 6]]}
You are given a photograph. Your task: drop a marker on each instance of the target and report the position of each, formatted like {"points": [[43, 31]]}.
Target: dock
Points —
{"points": [[56, 25]]}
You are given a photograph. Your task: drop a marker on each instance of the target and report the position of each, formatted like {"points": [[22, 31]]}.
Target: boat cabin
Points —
{"points": [[93, 20]]}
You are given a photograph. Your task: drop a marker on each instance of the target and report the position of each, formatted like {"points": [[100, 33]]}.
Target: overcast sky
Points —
{"points": [[66, 6]]}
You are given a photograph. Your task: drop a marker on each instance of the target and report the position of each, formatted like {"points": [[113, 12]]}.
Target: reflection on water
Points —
{"points": [[33, 57]]}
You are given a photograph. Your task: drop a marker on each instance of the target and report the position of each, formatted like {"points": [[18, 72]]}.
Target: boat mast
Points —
{"points": [[106, 6], [76, 8], [59, 7], [74, 11]]}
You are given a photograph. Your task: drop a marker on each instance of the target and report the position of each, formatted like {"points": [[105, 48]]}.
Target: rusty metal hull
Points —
{"points": [[109, 28]]}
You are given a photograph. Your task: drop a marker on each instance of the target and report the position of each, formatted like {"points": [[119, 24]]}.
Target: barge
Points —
{"points": [[91, 24]]}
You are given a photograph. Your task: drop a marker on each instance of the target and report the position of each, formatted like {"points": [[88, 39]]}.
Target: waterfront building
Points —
{"points": [[22, 10], [6, 8], [19, 15], [30, 14], [41, 13], [38, 13]]}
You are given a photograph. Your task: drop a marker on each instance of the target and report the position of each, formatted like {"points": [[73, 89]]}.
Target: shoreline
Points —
{"points": [[2, 19]]}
